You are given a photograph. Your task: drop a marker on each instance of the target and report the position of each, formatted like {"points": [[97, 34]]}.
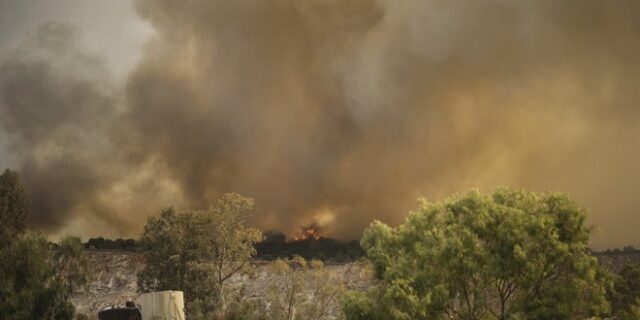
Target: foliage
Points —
{"points": [[230, 245], [242, 307], [274, 246], [616, 251], [101, 243], [625, 296], [14, 206], [197, 252], [306, 290], [173, 247], [38, 279], [285, 299], [507, 255]]}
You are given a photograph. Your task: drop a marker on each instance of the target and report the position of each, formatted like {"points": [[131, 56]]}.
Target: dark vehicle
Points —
{"points": [[127, 312]]}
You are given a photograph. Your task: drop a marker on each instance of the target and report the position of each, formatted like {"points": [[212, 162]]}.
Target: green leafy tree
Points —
{"points": [[229, 243], [198, 252], [38, 279], [14, 206], [507, 255], [173, 248]]}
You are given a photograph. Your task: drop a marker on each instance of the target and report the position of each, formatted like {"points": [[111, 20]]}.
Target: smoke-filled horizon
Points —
{"points": [[332, 112]]}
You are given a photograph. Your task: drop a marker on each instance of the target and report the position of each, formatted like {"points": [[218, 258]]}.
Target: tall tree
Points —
{"points": [[507, 255], [37, 278], [174, 248], [197, 252], [229, 243], [14, 206]]}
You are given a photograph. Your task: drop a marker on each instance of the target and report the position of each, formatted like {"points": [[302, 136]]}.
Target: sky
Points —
{"points": [[325, 111]]}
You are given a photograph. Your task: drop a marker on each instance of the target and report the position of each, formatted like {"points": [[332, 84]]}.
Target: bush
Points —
{"points": [[305, 290]]}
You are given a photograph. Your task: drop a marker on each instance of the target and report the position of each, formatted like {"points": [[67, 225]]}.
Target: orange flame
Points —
{"points": [[310, 232]]}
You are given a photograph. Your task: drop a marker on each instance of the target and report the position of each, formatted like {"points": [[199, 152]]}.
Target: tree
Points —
{"points": [[38, 280], [173, 247], [14, 206], [197, 252], [507, 255], [228, 243]]}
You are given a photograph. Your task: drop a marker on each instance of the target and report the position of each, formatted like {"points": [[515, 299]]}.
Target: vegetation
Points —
{"points": [[618, 251], [274, 246], [306, 291], [197, 252], [14, 206], [507, 255], [119, 244], [299, 290], [37, 278], [172, 253], [625, 295], [38, 281]]}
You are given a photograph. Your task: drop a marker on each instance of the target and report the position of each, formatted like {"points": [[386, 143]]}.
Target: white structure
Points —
{"points": [[162, 305]]}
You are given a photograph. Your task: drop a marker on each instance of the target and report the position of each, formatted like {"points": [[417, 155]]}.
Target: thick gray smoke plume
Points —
{"points": [[54, 109], [334, 111]]}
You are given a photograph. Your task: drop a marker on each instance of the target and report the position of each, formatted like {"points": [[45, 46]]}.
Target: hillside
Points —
{"points": [[112, 280]]}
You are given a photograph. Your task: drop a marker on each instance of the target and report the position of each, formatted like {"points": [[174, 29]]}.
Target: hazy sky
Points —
{"points": [[110, 28], [331, 111]]}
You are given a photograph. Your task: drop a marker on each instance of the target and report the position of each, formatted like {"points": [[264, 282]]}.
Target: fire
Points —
{"points": [[310, 232]]}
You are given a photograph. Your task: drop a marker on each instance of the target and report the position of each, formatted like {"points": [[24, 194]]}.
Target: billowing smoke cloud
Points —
{"points": [[53, 107], [59, 111], [334, 111]]}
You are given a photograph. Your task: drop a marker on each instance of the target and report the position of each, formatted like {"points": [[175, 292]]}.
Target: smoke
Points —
{"points": [[59, 110], [336, 112]]}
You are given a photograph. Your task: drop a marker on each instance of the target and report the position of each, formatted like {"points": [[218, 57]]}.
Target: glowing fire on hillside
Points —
{"points": [[310, 232]]}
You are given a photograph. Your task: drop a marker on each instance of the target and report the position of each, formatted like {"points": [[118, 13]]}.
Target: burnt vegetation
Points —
{"points": [[274, 245], [118, 244]]}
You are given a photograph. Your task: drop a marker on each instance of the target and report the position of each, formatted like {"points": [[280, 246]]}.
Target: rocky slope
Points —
{"points": [[112, 280]]}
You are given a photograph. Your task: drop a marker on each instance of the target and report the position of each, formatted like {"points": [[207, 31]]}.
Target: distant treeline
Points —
{"points": [[274, 245], [616, 251], [101, 243]]}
